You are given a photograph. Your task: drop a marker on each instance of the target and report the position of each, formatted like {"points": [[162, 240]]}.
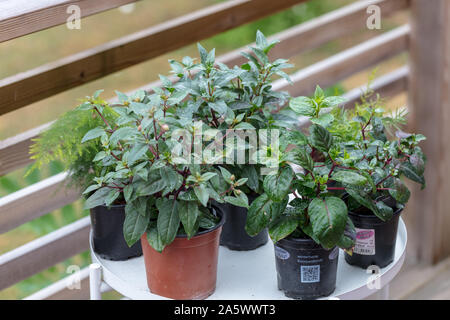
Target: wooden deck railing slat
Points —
{"points": [[55, 77], [60, 291], [318, 31], [22, 17], [331, 70], [387, 86], [34, 201], [14, 151], [44, 252]]}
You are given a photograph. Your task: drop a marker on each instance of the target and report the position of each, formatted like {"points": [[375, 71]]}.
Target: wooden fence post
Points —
{"points": [[429, 103]]}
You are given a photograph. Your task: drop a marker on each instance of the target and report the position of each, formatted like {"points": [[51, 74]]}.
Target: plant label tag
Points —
{"points": [[365, 242]]}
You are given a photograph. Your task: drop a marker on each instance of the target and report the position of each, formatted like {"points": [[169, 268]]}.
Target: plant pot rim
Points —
{"points": [[111, 206], [308, 243], [373, 217]]}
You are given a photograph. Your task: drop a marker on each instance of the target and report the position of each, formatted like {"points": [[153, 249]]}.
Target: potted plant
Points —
{"points": [[237, 98], [308, 230], [63, 142], [168, 189], [365, 135]]}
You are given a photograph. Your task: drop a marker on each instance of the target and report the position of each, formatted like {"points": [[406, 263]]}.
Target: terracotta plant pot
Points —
{"points": [[186, 269]]}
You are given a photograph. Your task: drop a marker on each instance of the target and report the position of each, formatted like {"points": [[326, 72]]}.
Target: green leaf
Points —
{"points": [[136, 153], [363, 199], [249, 172], [154, 239], [202, 194], [127, 192], [121, 133], [302, 106], [321, 139], [319, 92], [91, 188], [208, 175], [385, 212], [112, 196], [283, 227], [97, 94], [278, 185], [152, 188], [170, 177], [333, 101], [261, 40], [244, 126], [134, 225], [259, 214], [399, 191], [240, 201], [328, 218], [417, 163], [97, 198], [203, 53], [188, 214], [207, 220], [303, 159], [92, 134], [219, 106], [349, 178], [411, 173], [296, 137], [226, 174], [168, 219], [324, 120], [347, 241]]}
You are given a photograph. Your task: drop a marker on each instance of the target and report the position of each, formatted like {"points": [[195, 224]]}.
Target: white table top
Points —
{"points": [[251, 274]]}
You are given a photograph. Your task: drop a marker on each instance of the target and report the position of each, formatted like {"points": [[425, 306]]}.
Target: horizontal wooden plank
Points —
{"points": [[14, 151], [44, 252], [21, 17], [318, 31], [60, 290], [335, 68], [47, 80], [388, 85], [34, 201]]}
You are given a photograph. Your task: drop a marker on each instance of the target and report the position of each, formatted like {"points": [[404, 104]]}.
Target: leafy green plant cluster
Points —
{"points": [[367, 141], [61, 142], [348, 163], [238, 98], [163, 197], [316, 211]]}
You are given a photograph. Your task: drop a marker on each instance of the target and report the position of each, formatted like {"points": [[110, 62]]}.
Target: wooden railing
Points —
{"points": [[55, 77]]}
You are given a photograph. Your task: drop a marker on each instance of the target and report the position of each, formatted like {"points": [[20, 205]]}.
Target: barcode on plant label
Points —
{"points": [[310, 274]]}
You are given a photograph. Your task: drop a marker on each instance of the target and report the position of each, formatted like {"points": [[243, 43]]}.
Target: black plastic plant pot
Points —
{"points": [[107, 234], [375, 240], [305, 270], [234, 236]]}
